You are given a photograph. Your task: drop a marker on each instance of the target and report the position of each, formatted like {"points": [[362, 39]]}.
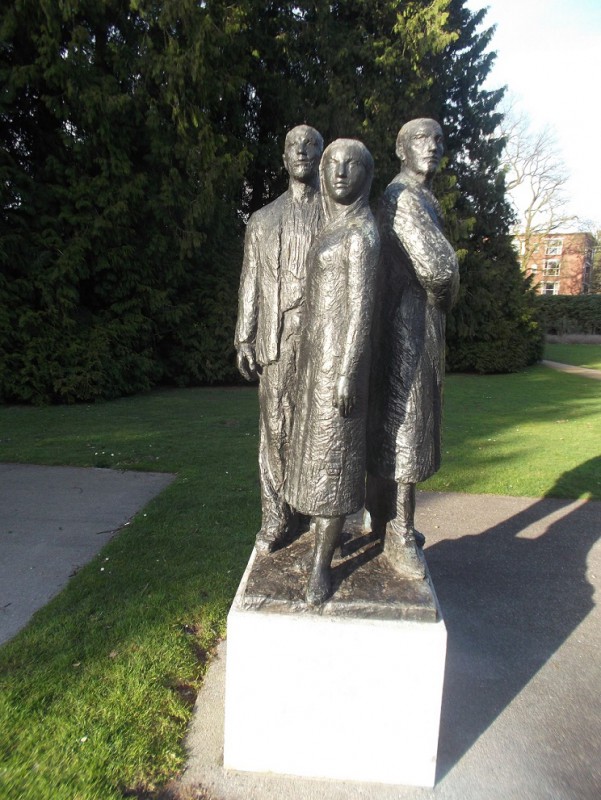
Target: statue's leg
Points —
{"points": [[288, 378], [405, 512], [380, 502], [275, 510], [327, 536], [400, 547]]}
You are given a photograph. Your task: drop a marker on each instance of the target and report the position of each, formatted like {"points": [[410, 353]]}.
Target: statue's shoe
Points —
{"points": [[268, 541], [403, 554], [378, 528], [319, 587]]}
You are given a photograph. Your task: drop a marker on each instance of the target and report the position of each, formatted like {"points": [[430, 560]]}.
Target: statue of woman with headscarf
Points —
{"points": [[326, 476]]}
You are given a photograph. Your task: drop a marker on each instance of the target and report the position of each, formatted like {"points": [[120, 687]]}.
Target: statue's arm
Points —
{"points": [[248, 305], [430, 253], [363, 251]]}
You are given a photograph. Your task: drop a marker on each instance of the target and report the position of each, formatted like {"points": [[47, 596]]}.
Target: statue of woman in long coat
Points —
{"points": [[326, 476]]}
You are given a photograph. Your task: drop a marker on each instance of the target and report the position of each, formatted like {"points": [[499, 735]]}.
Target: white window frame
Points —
{"points": [[553, 284], [552, 267], [553, 247]]}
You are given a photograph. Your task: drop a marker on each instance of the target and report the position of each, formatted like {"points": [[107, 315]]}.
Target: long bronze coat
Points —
{"points": [[326, 474], [261, 310], [418, 283]]}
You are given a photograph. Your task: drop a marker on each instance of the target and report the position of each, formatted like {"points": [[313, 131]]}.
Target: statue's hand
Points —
{"points": [[247, 364], [344, 396]]}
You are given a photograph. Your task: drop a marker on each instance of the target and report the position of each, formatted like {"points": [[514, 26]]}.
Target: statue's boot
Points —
{"points": [[272, 538], [267, 541], [378, 528], [401, 550], [327, 536], [405, 539], [388, 500]]}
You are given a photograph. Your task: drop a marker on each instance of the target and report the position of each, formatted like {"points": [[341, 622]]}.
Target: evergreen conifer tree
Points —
{"points": [[136, 136], [494, 327], [114, 173]]}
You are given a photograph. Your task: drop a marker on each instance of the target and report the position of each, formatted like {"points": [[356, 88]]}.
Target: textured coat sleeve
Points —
{"points": [[248, 299], [430, 254], [363, 252]]}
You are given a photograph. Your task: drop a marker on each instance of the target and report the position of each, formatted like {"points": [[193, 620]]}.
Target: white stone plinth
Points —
{"points": [[333, 697]]}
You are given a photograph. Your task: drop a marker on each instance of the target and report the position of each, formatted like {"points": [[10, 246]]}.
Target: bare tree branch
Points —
{"points": [[536, 177]]}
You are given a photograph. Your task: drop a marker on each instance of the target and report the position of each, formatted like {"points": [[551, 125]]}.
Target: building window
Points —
{"points": [[551, 267], [550, 288], [553, 247]]}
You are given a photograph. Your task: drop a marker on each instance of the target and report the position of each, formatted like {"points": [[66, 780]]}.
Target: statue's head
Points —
{"points": [[347, 170], [302, 151], [420, 146]]}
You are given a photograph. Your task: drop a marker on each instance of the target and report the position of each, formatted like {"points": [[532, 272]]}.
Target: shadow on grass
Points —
{"points": [[509, 604], [513, 434], [536, 394]]}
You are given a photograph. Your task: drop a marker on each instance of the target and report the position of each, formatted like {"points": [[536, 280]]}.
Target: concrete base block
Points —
{"points": [[333, 696]]}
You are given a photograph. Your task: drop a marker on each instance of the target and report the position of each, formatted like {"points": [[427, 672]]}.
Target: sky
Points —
{"points": [[549, 57]]}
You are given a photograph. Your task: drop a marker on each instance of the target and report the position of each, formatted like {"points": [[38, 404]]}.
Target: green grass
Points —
{"points": [[580, 355], [95, 693], [530, 434]]}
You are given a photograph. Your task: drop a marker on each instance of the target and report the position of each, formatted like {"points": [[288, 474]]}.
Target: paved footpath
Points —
{"points": [[584, 372], [521, 716], [53, 520]]}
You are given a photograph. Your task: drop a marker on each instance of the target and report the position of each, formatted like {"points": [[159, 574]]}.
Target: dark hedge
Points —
{"points": [[562, 314]]}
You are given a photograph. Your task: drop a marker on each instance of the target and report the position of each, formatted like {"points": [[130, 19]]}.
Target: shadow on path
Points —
{"points": [[511, 596]]}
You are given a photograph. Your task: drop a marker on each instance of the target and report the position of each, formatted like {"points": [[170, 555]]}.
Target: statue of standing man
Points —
{"points": [[272, 289], [419, 281]]}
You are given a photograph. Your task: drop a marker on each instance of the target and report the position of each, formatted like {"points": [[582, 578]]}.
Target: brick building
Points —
{"points": [[559, 263]]}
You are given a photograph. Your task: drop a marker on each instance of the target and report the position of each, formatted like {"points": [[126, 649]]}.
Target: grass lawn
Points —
{"points": [[534, 433], [95, 694], [580, 355]]}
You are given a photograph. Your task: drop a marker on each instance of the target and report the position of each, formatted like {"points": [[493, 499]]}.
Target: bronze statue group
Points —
{"points": [[342, 319]]}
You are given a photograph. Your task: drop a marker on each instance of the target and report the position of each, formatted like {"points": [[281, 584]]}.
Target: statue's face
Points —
{"points": [[344, 174], [422, 148], [302, 153]]}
